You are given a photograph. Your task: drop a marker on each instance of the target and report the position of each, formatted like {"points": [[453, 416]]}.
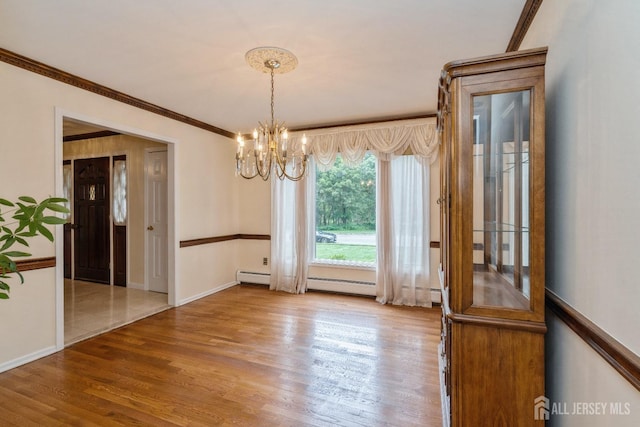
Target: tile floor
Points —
{"points": [[91, 309]]}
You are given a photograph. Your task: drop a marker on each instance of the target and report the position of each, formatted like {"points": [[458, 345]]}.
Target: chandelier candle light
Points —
{"points": [[270, 149]]}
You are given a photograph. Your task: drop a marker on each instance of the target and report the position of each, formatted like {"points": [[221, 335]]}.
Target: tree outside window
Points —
{"points": [[346, 212]]}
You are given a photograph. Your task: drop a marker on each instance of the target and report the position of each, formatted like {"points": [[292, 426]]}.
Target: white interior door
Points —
{"points": [[156, 221]]}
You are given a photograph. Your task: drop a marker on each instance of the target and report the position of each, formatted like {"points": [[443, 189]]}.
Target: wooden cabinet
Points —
{"points": [[492, 202]]}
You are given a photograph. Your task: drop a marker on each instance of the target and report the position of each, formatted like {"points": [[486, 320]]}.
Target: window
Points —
{"points": [[345, 213], [120, 191], [67, 186]]}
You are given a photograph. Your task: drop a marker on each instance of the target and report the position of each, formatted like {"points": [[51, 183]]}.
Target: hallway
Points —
{"points": [[91, 309]]}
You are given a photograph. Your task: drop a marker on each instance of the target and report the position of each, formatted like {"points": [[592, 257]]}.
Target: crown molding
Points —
{"points": [[364, 122], [526, 18], [34, 66]]}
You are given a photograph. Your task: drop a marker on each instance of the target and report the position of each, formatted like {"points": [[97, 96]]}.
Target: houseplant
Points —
{"points": [[27, 218]]}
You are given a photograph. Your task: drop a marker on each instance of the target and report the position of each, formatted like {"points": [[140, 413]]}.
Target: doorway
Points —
{"points": [[135, 243]]}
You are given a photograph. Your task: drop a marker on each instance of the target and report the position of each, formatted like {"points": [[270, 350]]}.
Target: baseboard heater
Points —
{"points": [[325, 284], [252, 277]]}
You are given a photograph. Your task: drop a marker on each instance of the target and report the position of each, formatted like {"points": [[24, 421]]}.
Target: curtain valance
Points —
{"points": [[385, 140]]}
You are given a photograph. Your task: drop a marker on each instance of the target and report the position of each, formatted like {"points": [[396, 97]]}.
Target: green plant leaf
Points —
{"points": [[57, 208], [15, 254], [30, 221], [27, 199], [44, 231], [53, 220], [10, 241], [21, 226], [40, 209], [25, 210], [55, 200], [7, 264]]}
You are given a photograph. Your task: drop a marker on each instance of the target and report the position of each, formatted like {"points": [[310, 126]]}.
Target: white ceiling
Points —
{"points": [[358, 59]]}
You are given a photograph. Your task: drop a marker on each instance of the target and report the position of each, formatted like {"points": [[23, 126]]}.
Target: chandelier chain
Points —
{"points": [[272, 102]]}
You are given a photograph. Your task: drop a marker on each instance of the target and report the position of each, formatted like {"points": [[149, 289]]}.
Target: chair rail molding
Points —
{"points": [[623, 360], [216, 239]]}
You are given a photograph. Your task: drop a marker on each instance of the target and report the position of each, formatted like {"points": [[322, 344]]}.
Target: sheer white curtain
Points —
{"points": [[290, 218], [403, 232]]}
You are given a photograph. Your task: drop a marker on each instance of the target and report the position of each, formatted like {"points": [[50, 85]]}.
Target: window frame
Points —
{"points": [[320, 262]]}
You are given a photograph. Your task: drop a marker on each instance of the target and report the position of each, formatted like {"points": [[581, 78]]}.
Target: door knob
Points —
{"points": [[150, 228]]}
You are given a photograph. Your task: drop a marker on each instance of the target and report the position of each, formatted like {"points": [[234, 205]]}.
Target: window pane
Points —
{"points": [[346, 212], [66, 189], [120, 192]]}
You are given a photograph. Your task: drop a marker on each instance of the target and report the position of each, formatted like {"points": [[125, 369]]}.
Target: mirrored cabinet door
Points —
{"points": [[500, 138]]}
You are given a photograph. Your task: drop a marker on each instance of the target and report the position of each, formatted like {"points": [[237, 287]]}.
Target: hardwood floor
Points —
{"points": [[245, 356]]}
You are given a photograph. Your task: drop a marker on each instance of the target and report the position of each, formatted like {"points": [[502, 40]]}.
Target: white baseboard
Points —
{"points": [[436, 297], [132, 285], [330, 285], [314, 283], [27, 358], [207, 293]]}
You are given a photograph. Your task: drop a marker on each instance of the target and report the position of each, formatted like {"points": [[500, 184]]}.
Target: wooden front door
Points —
{"points": [[91, 220]]}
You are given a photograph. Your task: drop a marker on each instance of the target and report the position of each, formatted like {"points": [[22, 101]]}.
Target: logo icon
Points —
{"points": [[541, 408]]}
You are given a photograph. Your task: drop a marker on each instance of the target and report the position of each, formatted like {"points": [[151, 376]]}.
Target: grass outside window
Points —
{"points": [[343, 252]]}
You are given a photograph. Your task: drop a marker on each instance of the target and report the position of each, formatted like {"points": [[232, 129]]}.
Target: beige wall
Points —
{"points": [[134, 148], [593, 205], [254, 218], [206, 201]]}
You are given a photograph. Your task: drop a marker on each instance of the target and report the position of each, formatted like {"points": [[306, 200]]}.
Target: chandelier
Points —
{"points": [[270, 150]]}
